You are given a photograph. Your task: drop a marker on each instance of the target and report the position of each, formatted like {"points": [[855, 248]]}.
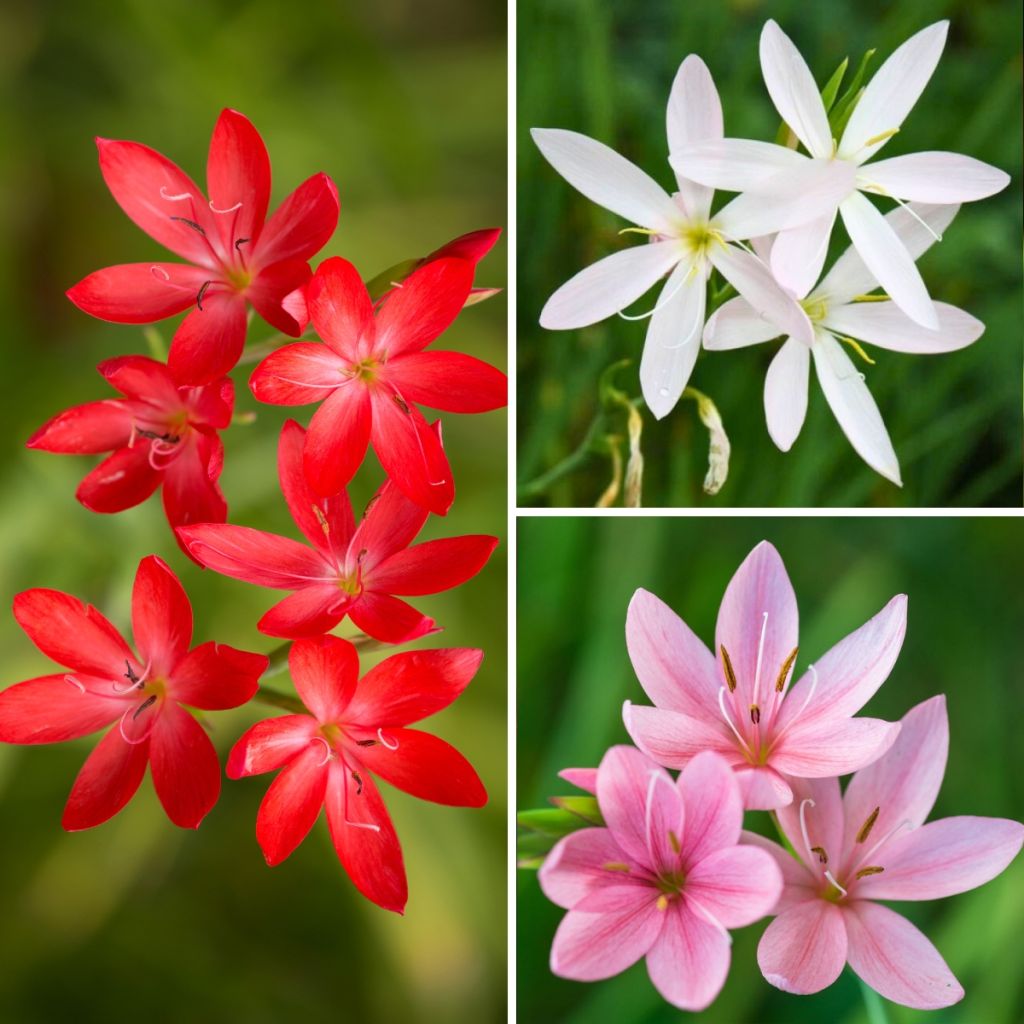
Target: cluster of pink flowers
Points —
{"points": [[672, 870], [367, 375]]}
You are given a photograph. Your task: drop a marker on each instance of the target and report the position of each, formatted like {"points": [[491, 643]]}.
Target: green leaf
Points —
{"points": [[828, 94], [583, 807], [840, 113], [386, 280]]}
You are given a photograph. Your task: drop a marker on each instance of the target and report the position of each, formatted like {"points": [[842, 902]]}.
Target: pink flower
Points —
{"points": [[870, 844], [346, 570], [144, 694], [741, 704], [664, 880], [236, 257], [159, 433], [371, 370], [355, 728]]}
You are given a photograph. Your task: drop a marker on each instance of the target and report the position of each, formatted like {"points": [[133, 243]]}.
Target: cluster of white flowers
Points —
{"points": [[787, 208]]}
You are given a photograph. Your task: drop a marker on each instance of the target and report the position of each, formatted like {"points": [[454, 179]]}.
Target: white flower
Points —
{"points": [[835, 313], [799, 196], [685, 242]]}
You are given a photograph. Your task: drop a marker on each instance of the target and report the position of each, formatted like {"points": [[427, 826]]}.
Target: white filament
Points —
{"points": [[230, 209], [703, 911], [328, 753], [661, 304], [803, 827], [728, 720], [829, 876], [390, 746], [77, 683], [174, 198], [888, 835], [760, 655]]}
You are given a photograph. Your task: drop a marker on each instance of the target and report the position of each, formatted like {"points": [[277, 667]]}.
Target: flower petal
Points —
{"points": [[576, 866], [107, 781], [799, 254], [238, 175], [798, 885], [306, 613], [216, 677], [937, 177], [793, 91], [785, 393], [689, 961], [738, 885], [390, 523], [337, 438], [853, 407], [472, 246], [713, 810], [190, 490], [123, 480], [762, 788], [389, 619], [210, 339], [271, 291], [804, 949], [817, 806], [451, 381], [85, 429], [292, 804], [694, 114], [736, 324], [886, 325], [431, 567], [325, 672], [590, 947], [892, 92], [301, 225], [161, 616], [624, 779], [185, 767], [671, 738], [581, 778], [267, 745], [52, 709], [341, 308], [734, 165], [888, 953], [143, 379], [138, 293], [832, 746]]}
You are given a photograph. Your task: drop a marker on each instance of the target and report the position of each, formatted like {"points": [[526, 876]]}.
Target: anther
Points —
{"points": [[390, 746], [401, 403], [322, 520], [616, 865], [871, 870], [240, 241], [149, 702], [373, 501], [357, 779], [662, 902], [192, 224], [730, 675], [755, 714], [366, 743], [822, 855], [784, 671], [202, 292], [673, 841], [865, 829], [881, 137]]}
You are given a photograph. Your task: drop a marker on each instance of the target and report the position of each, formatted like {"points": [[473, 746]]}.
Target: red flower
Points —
{"points": [[143, 694], [355, 728], [234, 257], [349, 570], [159, 434], [371, 372]]}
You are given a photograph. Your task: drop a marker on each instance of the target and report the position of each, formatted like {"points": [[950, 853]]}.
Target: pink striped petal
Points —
{"points": [[665, 822], [577, 866], [819, 749], [689, 961], [804, 949], [737, 885], [798, 884], [823, 819], [671, 738], [713, 810], [269, 744], [762, 788], [292, 804], [591, 947], [581, 778], [623, 781]]}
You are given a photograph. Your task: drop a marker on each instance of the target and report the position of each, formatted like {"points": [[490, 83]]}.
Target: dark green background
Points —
{"points": [[605, 68], [405, 108], [964, 639]]}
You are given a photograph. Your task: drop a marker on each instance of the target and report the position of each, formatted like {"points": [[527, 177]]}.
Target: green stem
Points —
{"points": [[279, 655], [874, 1003], [277, 699], [539, 484]]}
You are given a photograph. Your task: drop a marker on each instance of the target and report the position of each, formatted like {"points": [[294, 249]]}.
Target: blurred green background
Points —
{"points": [[405, 108], [964, 639], [605, 68]]}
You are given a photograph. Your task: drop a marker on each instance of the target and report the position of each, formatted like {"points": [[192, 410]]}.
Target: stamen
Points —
{"points": [[856, 346], [240, 241], [755, 714], [882, 191], [728, 720], [135, 712], [366, 743], [730, 675], [886, 838], [322, 520], [164, 194], [328, 752], [147, 703], [760, 655], [822, 855], [865, 829], [803, 826], [673, 841], [230, 209], [358, 780], [780, 683], [881, 137], [134, 682], [77, 683], [639, 231], [662, 902], [160, 272], [202, 292], [616, 865], [192, 224], [390, 746], [872, 298], [401, 403], [831, 878], [396, 284], [872, 870], [661, 305]]}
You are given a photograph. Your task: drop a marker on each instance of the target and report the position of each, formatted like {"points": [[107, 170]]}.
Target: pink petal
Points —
{"points": [[713, 809], [210, 339], [674, 667], [942, 858], [271, 295], [737, 885], [302, 224], [269, 744], [433, 566], [664, 823], [107, 781], [138, 293], [451, 381], [337, 438], [161, 616], [123, 480], [830, 747], [798, 884], [341, 308], [292, 804], [216, 677], [51, 709], [306, 613], [576, 866], [591, 947], [390, 619], [671, 738], [185, 767], [804, 949], [238, 172], [896, 960], [85, 429], [298, 374], [413, 685], [325, 672], [581, 778], [762, 788], [624, 779], [389, 524], [823, 818], [689, 960]]}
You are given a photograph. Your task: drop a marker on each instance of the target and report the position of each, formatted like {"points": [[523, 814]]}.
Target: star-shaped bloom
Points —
{"points": [[345, 570], [236, 258], [145, 694], [871, 844], [741, 704], [799, 196], [837, 315], [371, 370], [357, 728], [665, 879], [160, 435], [685, 242]]}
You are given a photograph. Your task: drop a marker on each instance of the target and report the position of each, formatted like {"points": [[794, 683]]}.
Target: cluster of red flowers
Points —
{"points": [[367, 374]]}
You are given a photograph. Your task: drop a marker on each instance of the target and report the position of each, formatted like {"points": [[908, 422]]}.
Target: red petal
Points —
{"points": [[216, 677], [298, 374], [186, 771], [50, 710], [271, 743], [411, 453], [430, 298], [190, 495], [433, 566], [386, 618], [337, 438], [123, 480], [292, 805], [473, 246], [450, 381], [140, 179], [255, 556], [72, 633], [107, 781], [143, 379], [138, 293], [372, 858], [390, 523], [85, 429], [238, 171], [341, 308], [272, 286], [306, 613], [213, 405], [425, 767], [412, 685], [326, 522], [210, 340], [325, 672], [161, 616], [301, 225]]}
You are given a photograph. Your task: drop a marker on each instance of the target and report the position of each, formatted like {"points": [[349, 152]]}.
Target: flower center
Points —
{"points": [[816, 308], [697, 239], [366, 370]]}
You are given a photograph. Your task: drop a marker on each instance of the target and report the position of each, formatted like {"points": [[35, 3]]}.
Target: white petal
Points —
{"points": [[791, 86], [849, 275], [799, 254], [884, 324], [754, 281], [892, 92], [734, 164], [785, 393], [609, 285], [736, 324], [789, 199], [854, 407], [888, 260], [694, 114], [936, 177], [673, 339]]}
